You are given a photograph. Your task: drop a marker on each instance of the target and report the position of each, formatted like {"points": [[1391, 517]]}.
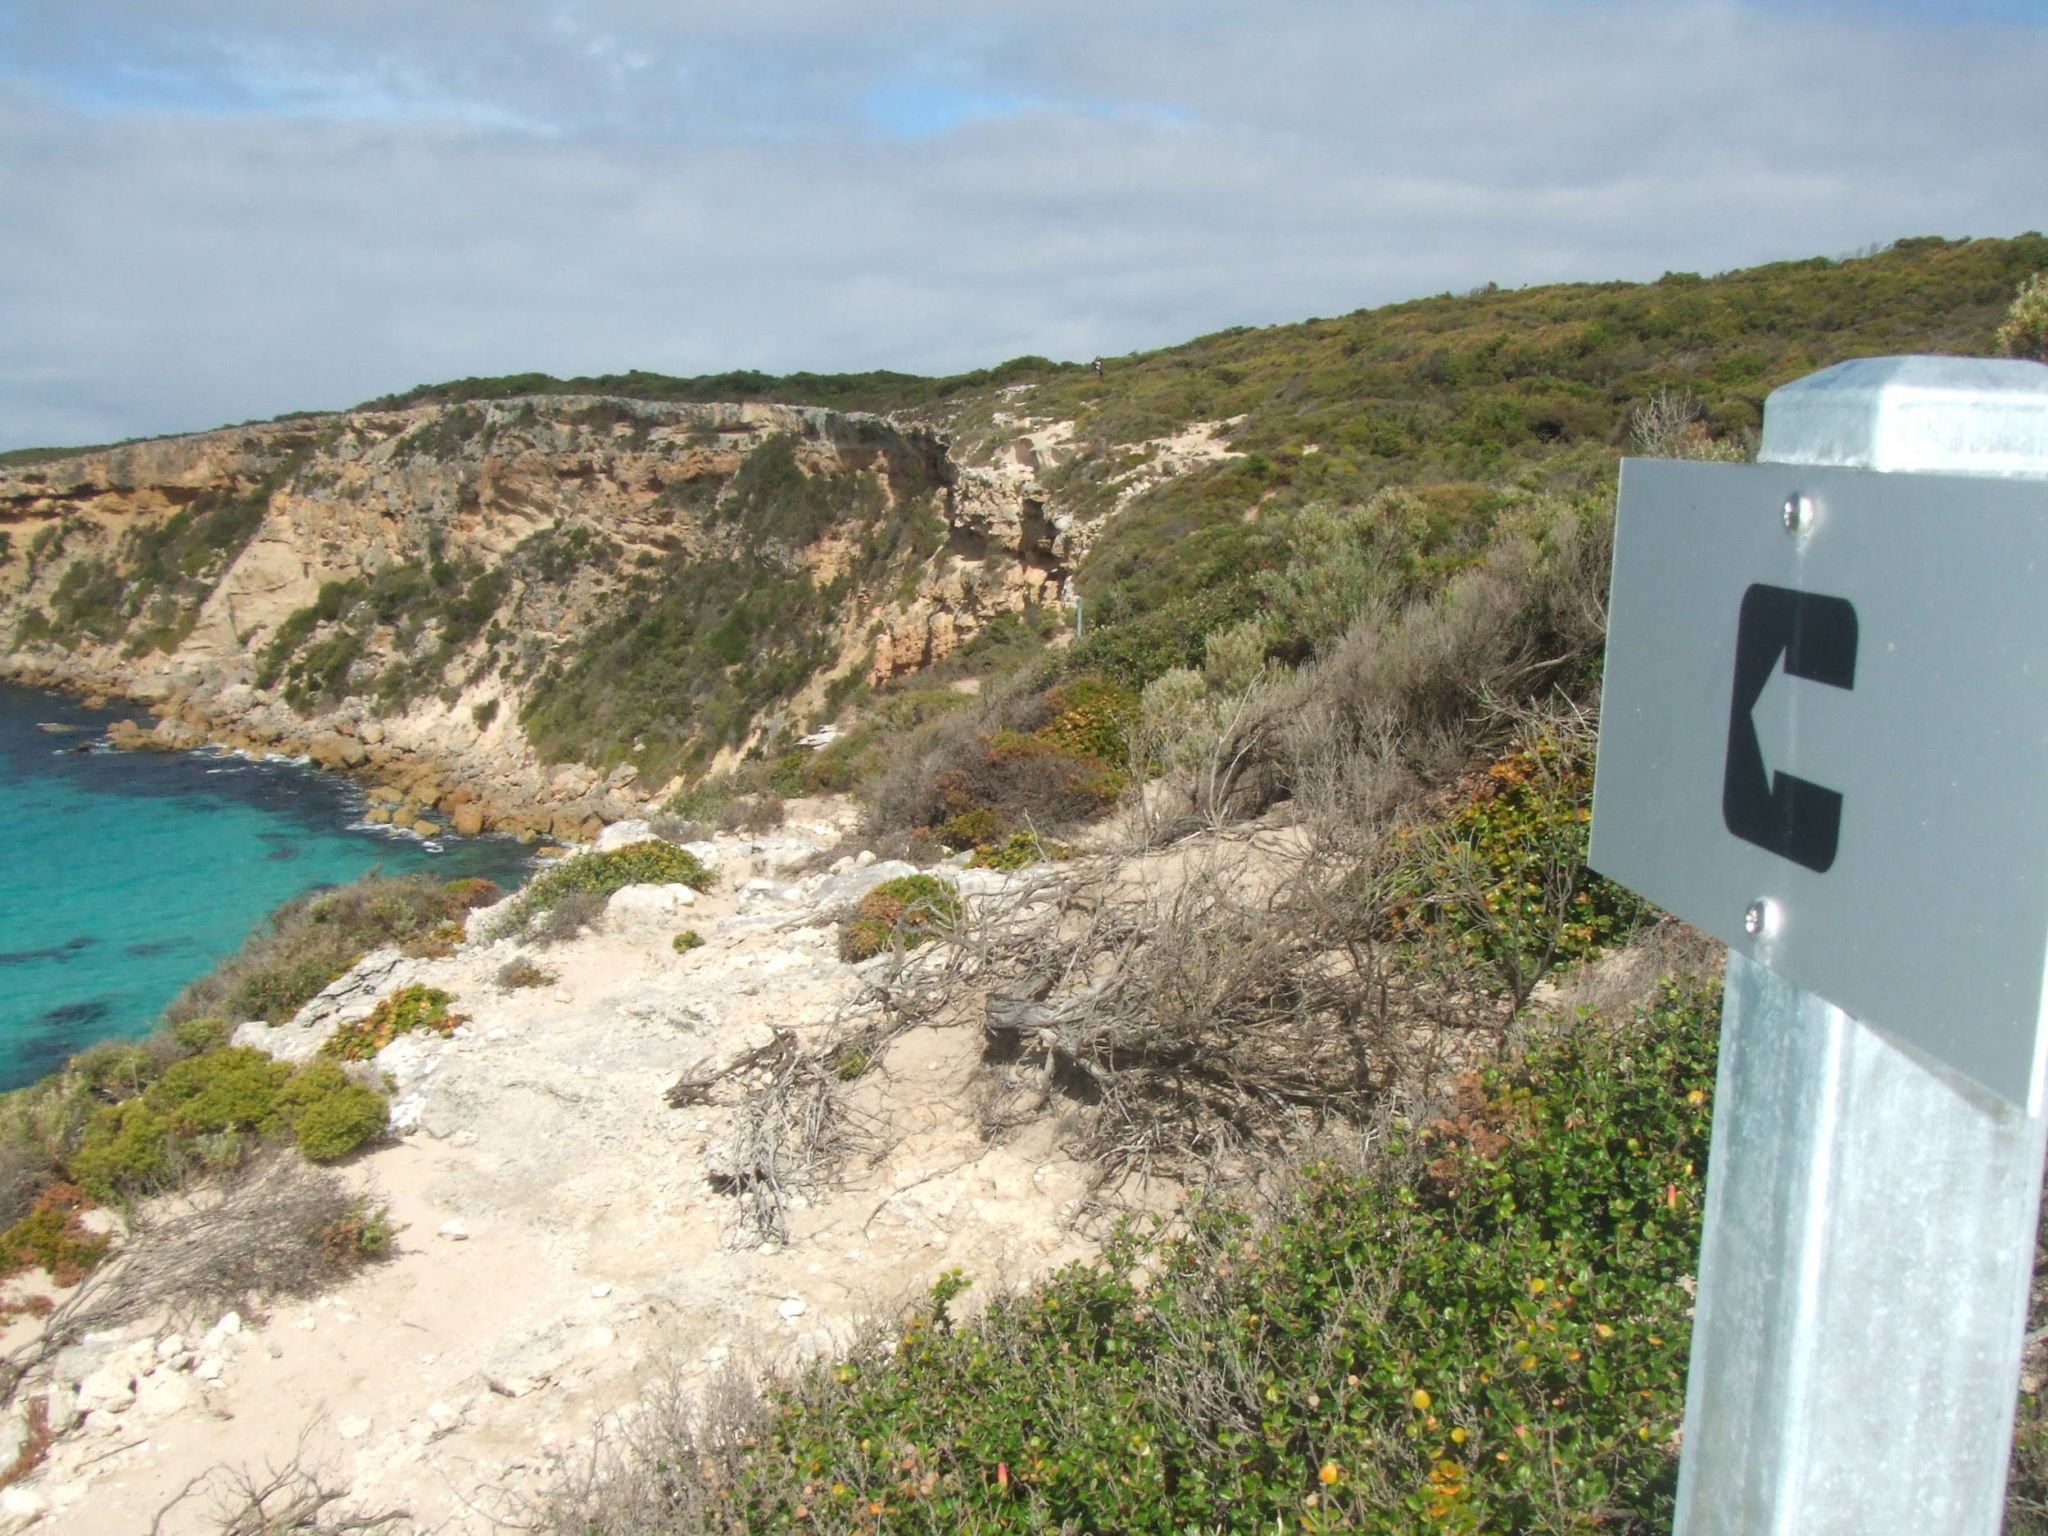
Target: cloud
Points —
{"points": [[237, 210]]}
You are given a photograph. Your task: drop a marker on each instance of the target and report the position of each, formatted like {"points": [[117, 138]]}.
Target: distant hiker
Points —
{"points": [[1098, 367]]}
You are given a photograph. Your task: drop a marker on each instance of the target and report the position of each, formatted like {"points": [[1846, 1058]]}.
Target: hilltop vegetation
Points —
{"points": [[1476, 408]]}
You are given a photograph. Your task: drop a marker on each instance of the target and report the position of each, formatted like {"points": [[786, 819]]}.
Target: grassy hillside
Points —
{"points": [[1478, 405]]}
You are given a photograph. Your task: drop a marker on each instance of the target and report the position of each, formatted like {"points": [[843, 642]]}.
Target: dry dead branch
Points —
{"points": [[258, 1232], [289, 1500]]}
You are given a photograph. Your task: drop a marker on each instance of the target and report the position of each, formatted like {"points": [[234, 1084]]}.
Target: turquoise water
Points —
{"points": [[127, 874]]}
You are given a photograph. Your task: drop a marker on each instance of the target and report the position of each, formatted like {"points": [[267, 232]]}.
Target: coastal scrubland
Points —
{"points": [[1292, 834]]}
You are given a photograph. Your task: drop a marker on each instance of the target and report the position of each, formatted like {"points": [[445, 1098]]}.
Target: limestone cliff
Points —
{"points": [[533, 614]]}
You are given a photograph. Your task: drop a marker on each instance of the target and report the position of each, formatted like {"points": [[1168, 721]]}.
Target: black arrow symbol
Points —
{"points": [[1778, 811]]}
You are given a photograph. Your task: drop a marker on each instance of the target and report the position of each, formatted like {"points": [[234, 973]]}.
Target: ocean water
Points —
{"points": [[125, 875]]}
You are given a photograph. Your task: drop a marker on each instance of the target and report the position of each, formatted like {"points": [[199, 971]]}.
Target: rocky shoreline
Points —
{"points": [[419, 789]]}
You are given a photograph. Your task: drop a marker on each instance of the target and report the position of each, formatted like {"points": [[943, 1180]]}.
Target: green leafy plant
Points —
{"points": [[126, 1150], [1018, 851], [331, 1116], [209, 1110], [408, 1009], [911, 910], [686, 941], [1502, 878]]}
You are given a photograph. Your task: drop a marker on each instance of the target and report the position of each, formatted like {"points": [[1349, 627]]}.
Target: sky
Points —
{"points": [[219, 210]]}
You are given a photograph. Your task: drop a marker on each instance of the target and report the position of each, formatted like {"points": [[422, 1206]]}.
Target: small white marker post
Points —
{"points": [[1870, 1210]]}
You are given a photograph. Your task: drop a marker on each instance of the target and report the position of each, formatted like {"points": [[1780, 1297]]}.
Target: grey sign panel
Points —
{"points": [[1827, 743]]}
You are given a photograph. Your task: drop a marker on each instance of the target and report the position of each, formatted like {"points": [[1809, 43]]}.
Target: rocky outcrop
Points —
{"points": [[387, 592]]}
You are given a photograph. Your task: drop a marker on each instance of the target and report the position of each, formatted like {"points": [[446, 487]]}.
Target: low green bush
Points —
{"points": [[911, 910], [330, 1115], [1018, 851], [209, 1110], [686, 941], [53, 1238], [231, 1089], [196, 1035], [126, 1150], [1502, 879]]}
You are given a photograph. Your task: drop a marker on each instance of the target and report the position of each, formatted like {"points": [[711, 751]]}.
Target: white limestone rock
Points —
{"points": [[623, 834], [639, 907]]}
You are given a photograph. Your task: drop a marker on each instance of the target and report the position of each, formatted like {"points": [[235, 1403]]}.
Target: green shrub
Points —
{"points": [[331, 1116], [911, 909], [1503, 879], [2024, 333], [196, 1035], [408, 1009], [1018, 851], [114, 1070], [51, 1237], [232, 1089], [126, 1150], [600, 874], [686, 941], [1091, 717]]}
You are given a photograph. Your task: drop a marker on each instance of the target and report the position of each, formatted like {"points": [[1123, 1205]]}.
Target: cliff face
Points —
{"points": [[532, 614]]}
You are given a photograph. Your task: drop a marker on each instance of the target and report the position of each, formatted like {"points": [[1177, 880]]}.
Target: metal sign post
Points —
{"points": [[1824, 738]]}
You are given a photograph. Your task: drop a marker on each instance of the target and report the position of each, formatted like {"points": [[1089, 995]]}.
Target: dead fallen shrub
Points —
{"points": [[275, 1226], [785, 1131], [1194, 1024]]}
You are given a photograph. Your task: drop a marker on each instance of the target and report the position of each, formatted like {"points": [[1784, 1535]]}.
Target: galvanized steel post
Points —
{"points": [[1870, 1216]]}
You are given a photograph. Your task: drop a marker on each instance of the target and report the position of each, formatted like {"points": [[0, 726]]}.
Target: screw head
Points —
{"points": [[1756, 919], [1798, 513]]}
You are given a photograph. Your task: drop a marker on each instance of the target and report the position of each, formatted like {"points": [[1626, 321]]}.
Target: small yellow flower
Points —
{"points": [[1458, 1435], [1420, 1401], [1331, 1474], [1603, 1330], [1528, 1362], [1538, 1286], [1696, 1098]]}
